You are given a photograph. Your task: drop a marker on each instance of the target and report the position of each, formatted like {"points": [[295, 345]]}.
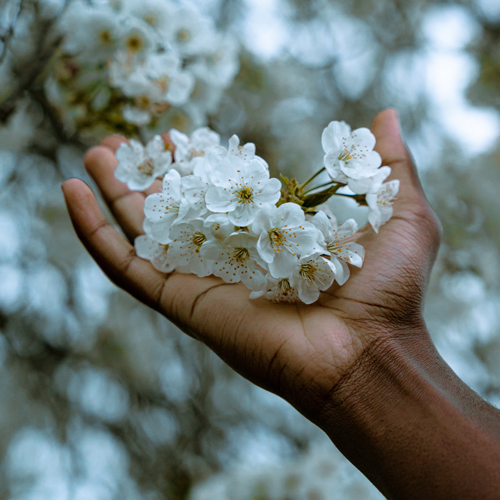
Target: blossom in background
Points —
{"points": [[284, 236], [349, 156], [218, 68], [140, 166], [130, 66], [241, 188], [156, 13], [191, 32], [154, 84], [380, 204], [340, 243], [91, 35], [136, 38]]}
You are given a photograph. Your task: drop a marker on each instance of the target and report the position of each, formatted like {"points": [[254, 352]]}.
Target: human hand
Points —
{"points": [[300, 352]]}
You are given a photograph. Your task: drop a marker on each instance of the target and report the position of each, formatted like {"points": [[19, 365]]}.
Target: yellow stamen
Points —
{"points": [[199, 239], [275, 236], [307, 271], [241, 254], [147, 167], [245, 195], [184, 35]]}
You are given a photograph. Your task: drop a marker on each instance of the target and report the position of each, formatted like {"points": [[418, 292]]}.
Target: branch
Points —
{"points": [[9, 35], [35, 67]]}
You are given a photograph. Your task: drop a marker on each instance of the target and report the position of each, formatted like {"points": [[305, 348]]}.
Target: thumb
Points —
{"points": [[411, 204], [387, 131]]}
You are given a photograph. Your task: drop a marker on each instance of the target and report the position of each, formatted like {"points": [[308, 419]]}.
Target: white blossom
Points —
{"points": [[311, 275], [218, 68], [340, 243], [241, 188], [91, 34], [165, 208], [190, 151], [380, 204], [284, 237], [194, 189], [139, 166], [156, 13], [245, 152], [220, 225], [235, 260], [371, 183], [191, 32], [158, 63], [156, 253], [136, 37], [349, 155], [186, 247], [277, 290], [154, 83]]}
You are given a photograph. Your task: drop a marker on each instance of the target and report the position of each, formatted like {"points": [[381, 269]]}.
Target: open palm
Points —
{"points": [[298, 351]]}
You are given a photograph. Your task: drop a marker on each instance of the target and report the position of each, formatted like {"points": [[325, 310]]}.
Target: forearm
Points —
{"points": [[413, 427]]}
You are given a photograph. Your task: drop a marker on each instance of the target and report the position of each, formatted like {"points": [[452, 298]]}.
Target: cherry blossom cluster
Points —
{"points": [[126, 66], [213, 210]]}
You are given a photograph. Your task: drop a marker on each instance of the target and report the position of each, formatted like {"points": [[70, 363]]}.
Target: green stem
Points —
{"points": [[360, 198], [312, 178], [320, 186]]}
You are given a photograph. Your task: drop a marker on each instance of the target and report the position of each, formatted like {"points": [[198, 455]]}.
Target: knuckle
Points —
{"points": [[429, 224]]}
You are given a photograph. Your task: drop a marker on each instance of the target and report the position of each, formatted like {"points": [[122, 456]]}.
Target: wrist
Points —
{"points": [[411, 425], [394, 361]]}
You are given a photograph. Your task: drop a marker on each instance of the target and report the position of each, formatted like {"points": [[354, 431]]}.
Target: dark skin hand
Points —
{"points": [[358, 363]]}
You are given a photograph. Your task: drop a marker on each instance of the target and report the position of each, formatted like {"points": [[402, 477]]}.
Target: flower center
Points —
{"points": [[150, 19], [162, 83], [105, 37], [184, 35], [198, 240], [134, 43], [284, 286], [147, 167], [276, 237], [346, 155], [143, 101], [245, 195], [196, 154], [307, 271], [241, 254]]}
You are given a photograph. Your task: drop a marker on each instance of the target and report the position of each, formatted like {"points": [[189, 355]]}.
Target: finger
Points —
{"points": [[110, 250], [173, 295], [113, 141], [126, 206], [411, 203], [394, 153]]}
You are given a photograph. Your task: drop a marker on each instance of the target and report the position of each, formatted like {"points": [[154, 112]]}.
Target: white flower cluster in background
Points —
{"points": [[125, 65], [218, 212]]}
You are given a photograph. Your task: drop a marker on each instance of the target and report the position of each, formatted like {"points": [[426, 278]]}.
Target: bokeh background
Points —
{"points": [[100, 397]]}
